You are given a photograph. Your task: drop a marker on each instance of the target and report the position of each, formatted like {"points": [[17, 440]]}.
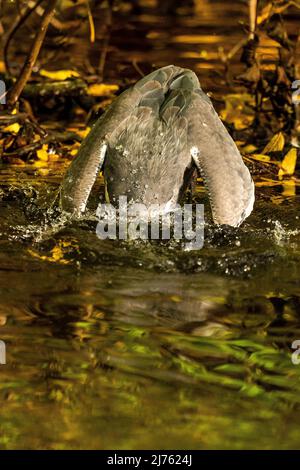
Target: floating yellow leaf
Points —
{"points": [[289, 188], [267, 182], [53, 157], [13, 128], [288, 164], [260, 157], [101, 89], [43, 171], [59, 75], [249, 148], [42, 153], [276, 144], [40, 164], [83, 132], [73, 150]]}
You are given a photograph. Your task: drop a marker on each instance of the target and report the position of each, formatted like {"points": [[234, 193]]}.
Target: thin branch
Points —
{"points": [[106, 40], [55, 22], [17, 25], [15, 92], [6, 119], [252, 17], [137, 68], [91, 22], [297, 76], [53, 137]]}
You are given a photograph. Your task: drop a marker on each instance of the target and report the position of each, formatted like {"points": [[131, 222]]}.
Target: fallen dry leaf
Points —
{"points": [[13, 128], [42, 153], [289, 188], [101, 89], [271, 8], [249, 148], [260, 157], [276, 144], [59, 75], [288, 164]]}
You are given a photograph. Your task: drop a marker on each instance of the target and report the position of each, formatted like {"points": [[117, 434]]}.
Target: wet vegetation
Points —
{"points": [[111, 343]]}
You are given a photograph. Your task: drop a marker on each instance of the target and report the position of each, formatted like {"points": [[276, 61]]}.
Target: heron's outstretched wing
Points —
{"points": [[216, 156], [226, 177], [82, 173]]}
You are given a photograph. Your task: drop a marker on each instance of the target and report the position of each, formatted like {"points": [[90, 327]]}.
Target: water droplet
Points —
{"points": [[194, 152]]}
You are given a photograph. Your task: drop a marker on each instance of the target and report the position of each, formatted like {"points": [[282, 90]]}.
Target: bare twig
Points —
{"points": [[236, 48], [18, 23], [6, 119], [70, 87], [137, 68], [252, 17], [53, 137], [106, 40], [55, 22], [297, 76], [16, 90], [91, 22]]}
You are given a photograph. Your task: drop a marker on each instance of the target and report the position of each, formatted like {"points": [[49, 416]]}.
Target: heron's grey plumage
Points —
{"points": [[151, 138]]}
